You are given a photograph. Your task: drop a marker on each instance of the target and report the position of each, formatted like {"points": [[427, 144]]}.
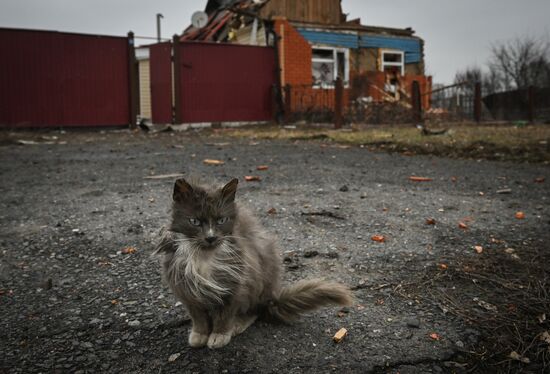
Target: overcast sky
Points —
{"points": [[457, 33]]}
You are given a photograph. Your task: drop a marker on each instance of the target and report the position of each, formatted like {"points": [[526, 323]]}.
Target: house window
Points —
{"points": [[328, 64], [393, 62]]}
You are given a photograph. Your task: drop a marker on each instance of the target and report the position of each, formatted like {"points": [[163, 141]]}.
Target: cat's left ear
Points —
{"points": [[229, 190]]}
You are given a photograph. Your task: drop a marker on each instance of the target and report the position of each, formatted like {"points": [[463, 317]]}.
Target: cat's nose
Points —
{"points": [[211, 239]]}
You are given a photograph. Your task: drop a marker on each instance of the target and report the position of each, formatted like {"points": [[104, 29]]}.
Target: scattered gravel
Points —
{"points": [[71, 302]]}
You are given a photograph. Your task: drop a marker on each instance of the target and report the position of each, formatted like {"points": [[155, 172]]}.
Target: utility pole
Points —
{"points": [[159, 16]]}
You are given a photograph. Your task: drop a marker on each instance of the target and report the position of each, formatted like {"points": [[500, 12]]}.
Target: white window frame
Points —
{"points": [[384, 64], [334, 60]]}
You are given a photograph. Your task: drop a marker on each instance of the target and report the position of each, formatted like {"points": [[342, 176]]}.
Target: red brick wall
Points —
{"points": [[296, 70], [295, 60], [373, 83], [295, 54]]}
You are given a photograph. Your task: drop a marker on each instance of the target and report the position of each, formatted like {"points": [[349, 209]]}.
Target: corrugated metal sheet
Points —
{"points": [[411, 46], [61, 79], [330, 38], [161, 82], [225, 82]]}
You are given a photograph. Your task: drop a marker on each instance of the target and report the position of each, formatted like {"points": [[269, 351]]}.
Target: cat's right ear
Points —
{"points": [[182, 190], [229, 190]]}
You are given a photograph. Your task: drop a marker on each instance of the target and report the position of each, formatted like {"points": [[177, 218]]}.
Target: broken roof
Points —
{"points": [[225, 15], [222, 14]]}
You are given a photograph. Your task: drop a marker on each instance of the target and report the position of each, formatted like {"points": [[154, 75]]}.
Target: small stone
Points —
{"points": [[174, 357], [47, 284], [310, 254], [134, 323], [344, 188], [413, 323], [95, 321], [459, 344]]}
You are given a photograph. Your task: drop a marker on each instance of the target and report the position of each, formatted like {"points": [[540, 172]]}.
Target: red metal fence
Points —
{"points": [[61, 79], [160, 59], [223, 82]]}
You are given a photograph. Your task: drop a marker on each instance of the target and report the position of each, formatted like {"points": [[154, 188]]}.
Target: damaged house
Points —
{"points": [[317, 45]]}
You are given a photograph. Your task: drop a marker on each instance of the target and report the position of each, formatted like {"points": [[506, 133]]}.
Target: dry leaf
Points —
{"points": [[479, 249], [420, 179], [341, 334], [129, 250], [454, 179], [378, 238], [540, 180], [250, 178], [380, 302], [516, 356], [463, 226], [435, 336], [430, 221], [360, 307], [164, 176], [262, 168], [545, 337], [520, 215], [341, 314], [114, 302], [443, 266], [213, 162]]}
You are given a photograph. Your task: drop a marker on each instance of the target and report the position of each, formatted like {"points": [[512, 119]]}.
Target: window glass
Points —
{"points": [[323, 72], [392, 57], [324, 54]]}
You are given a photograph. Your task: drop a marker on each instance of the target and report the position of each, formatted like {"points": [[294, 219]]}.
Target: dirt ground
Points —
{"points": [[433, 298]]}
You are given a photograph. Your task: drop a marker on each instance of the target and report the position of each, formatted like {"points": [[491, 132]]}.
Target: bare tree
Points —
{"points": [[491, 81], [520, 63], [469, 75]]}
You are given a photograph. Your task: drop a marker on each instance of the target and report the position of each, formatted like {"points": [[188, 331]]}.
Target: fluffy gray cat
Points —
{"points": [[222, 265]]}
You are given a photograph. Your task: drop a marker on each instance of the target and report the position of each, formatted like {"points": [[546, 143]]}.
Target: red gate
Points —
{"points": [[223, 82], [160, 60], [61, 79]]}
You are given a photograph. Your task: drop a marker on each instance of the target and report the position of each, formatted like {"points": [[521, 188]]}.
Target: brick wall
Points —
{"points": [[296, 71], [295, 55]]}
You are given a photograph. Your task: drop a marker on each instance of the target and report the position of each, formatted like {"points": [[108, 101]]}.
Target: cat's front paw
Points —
{"points": [[218, 340], [197, 340]]}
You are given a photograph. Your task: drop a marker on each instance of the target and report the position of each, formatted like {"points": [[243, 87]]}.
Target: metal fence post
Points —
{"points": [[133, 81], [531, 104], [177, 79], [288, 102], [416, 102], [338, 103], [477, 102]]}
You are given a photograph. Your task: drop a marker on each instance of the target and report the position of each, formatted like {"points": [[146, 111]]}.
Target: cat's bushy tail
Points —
{"points": [[308, 295]]}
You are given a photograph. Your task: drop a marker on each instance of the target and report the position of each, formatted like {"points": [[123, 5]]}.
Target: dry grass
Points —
{"points": [[529, 143]]}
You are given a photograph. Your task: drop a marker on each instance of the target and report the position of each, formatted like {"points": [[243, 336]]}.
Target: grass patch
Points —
{"points": [[502, 142]]}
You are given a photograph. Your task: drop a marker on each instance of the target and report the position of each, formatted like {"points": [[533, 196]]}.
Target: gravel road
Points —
{"points": [[72, 301]]}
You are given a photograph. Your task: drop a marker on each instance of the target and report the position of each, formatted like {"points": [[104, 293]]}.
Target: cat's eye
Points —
{"points": [[222, 220], [194, 222]]}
